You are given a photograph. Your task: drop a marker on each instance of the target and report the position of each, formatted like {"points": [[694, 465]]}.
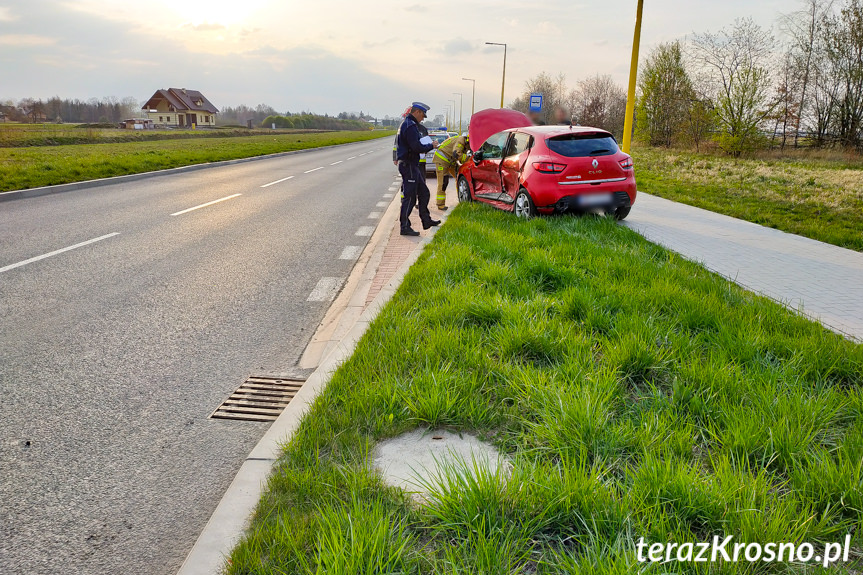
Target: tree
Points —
{"points": [[735, 63], [665, 95], [553, 92], [843, 47], [597, 101]]}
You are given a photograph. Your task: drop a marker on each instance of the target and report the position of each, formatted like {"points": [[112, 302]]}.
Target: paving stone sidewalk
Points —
{"points": [[822, 281], [399, 247]]}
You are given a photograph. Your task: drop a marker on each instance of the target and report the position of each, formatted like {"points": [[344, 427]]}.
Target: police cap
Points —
{"points": [[420, 106]]}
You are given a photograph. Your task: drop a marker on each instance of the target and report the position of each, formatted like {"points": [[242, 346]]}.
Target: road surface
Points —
{"points": [[128, 312]]}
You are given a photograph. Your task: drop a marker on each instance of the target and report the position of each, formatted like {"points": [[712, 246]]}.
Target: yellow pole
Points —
{"points": [[503, 81], [633, 74]]}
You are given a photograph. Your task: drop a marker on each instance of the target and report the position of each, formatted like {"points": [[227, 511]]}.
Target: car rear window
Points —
{"points": [[580, 145]]}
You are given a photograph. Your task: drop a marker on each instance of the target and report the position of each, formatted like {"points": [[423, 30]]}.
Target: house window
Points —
{"points": [[160, 118]]}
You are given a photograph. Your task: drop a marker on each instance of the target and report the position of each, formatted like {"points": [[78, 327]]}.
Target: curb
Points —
{"points": [[228, 522], [72, 186]]}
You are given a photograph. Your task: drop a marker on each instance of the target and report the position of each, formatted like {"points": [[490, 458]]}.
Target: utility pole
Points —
{"points": [[633, 74], [472, 94], [503, 80], [460, 108]]}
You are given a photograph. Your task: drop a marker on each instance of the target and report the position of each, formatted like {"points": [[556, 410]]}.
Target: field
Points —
{"points": [[819, 196], [33, 166], [634, 393]]}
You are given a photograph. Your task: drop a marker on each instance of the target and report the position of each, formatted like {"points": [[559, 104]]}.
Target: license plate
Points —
{"points": [[594, 200]]}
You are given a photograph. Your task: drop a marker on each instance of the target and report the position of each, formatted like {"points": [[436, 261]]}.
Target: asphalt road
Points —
{"points": [[114, 353]]}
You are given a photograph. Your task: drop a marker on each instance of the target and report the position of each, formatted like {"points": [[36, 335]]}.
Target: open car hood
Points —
{"points": [[486, 123]]}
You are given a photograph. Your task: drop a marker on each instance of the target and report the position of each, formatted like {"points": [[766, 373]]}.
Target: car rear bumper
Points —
{"points": [[573, 203]]}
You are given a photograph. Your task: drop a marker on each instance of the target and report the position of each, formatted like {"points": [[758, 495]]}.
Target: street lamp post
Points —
{"points": [[633, 74], [503, 80], [472, 93], [448, 126], [460, 108]]}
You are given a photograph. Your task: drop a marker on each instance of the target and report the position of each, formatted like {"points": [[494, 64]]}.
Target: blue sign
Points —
{"points": [[536, 102]]}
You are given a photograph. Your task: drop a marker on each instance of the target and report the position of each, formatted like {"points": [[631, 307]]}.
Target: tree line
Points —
{"points": [[105, 110], [739, 87]]}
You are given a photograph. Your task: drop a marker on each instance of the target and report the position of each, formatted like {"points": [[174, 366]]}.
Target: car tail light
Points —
{"points": [[548, 167], [626, 163]]}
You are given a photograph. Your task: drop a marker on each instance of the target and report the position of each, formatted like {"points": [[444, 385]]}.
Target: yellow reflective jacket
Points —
{"points": [[452, 149]]}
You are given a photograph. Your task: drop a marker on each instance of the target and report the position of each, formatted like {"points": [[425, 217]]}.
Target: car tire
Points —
{"points": [[621, 212], [464, 192], [524, 206]]}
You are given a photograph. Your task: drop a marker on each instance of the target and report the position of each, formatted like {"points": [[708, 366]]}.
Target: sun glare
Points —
{"points": [[215, 12]]}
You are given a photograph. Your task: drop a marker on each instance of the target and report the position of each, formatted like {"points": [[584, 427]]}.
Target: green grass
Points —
{"points": [[804, 193], [635, 394], [30, 167]]}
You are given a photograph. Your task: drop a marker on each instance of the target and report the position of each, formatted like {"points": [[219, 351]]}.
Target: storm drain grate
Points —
{"points": [[259, 399]]}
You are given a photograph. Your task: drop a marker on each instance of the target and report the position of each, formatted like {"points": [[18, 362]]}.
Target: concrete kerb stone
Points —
{"points": [[228, 522], [59, 188]]}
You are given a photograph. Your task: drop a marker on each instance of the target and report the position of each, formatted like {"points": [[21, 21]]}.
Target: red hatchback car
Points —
{"points": [[532, 170]]}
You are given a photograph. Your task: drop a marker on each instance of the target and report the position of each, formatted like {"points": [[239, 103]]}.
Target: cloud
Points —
{"points": [[457, 47], [6, 14], [24, 40], [416, 8], [203, 27]]}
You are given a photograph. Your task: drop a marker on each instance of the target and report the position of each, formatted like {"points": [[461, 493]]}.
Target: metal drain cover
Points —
{"points": [[260, 398]]}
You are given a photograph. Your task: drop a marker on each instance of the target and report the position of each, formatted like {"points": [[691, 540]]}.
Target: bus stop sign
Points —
{"points": [[536, 102]]}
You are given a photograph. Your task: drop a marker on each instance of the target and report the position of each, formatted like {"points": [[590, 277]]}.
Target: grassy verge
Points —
{"points": [[635, 393], [32, 167], [819, 198]]}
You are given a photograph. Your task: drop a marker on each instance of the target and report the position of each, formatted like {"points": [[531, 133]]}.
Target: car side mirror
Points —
{"points": [[477, 156]]}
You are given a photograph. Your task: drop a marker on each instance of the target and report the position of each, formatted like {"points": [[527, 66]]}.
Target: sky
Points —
{"points": [[328, 56]]}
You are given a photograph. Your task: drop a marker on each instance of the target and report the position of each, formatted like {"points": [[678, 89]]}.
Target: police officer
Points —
{"points": [[410, 146]]}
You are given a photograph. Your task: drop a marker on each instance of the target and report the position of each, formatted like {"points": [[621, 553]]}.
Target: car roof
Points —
{"points": [[559, 130]]}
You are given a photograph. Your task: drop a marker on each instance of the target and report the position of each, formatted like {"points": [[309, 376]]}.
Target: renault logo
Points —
{"points": [[594, 163]]}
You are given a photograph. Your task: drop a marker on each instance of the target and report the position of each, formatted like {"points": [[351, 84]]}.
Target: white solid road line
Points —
{"points": [[339, 162], [277, 182], [55, 252], [351, 252], [207, 204], [326, 289], [315, 170]]}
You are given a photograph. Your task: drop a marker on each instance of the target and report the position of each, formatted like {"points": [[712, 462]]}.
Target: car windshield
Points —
{"points": [[580, 145], [439, 138]]}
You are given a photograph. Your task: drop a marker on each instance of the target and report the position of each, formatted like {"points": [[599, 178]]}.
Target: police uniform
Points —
{"points": [[409, 150], [423, 133]]}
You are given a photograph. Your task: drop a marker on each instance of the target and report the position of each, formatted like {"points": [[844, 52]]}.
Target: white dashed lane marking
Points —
{"points": [[381, 205], [351, 253], [314, 170], [388, 195], [277, 182], [374, 215], [365, 231], [339, 162], [56, 252], [207, 204], [326, 289], [351, 158]]}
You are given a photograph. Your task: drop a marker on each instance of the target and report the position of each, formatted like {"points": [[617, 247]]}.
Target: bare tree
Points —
{"points": [[843, 48], [599, 102], [735, 67], [553, 92]]}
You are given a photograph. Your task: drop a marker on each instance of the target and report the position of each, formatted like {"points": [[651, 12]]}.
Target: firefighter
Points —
{"points": [[410, 146], [451, 153]]}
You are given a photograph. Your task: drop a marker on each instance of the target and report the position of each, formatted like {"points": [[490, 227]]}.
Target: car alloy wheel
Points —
{"points": [[463, 190], [524, 207]]}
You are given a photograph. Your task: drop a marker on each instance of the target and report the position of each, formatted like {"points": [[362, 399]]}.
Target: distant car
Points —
{"points": [[439, 137], [531, 170]]}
